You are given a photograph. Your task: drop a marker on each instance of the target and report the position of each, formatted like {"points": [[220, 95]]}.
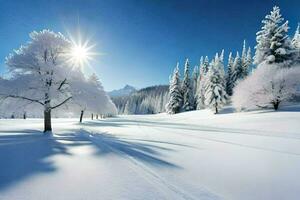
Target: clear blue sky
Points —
{"points": [[141, 40]]}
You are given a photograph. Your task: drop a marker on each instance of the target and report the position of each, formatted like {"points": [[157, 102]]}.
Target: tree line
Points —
{"points": [[268, 79]]}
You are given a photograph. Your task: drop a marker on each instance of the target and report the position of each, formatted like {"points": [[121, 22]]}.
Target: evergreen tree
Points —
{"points": [[221, 58], [273, 43], [205, 66], [296, 38], [215, 93], [187, 88], [246, 61], [238, 72], [229, 76], [201, 62], [296, 44], [249, 60], [175, 95], [195, 85], [218, 62]]}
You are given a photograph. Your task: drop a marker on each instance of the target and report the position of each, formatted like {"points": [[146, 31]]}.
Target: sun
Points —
{"points": [[79, 53]]}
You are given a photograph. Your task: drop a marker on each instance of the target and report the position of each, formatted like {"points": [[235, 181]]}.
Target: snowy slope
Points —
{"points": [[193, 155]]}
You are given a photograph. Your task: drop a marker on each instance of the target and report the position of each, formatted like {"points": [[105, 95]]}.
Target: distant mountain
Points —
{"points": [[127, 90], [148, 100]]}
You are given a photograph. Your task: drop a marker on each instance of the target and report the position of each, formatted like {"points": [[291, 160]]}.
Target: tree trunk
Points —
{"points": [[276, 105], [92, 116], [47, 120], [97, 116], [216, 112], [81, 115], [216, 108]]}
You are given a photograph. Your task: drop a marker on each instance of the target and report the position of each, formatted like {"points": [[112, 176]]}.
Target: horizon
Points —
{"points": [[139, 42]]}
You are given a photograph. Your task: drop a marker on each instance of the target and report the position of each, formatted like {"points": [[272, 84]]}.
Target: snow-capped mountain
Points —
{"points": [[126, 90]]}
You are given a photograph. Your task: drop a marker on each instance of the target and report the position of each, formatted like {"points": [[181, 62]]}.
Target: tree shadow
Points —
{"points": [[24, 153], [147, 153]]}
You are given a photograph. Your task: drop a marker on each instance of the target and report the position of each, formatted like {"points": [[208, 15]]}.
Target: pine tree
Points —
{"points": [[205, 66], [219, 62], [296, 38], [187, 88], [201, 62], [296, 44], [221, 58], [229, 76], [249, 62], [175, 95], [246, 61], [273, 43], [195, 85], [238, 72], [215, 93]]}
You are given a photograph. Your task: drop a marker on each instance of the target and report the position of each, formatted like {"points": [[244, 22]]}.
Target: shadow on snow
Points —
{"points": [[28, 152]]}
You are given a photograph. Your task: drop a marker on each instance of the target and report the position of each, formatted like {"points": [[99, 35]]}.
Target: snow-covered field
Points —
{"points": [[194, 155]]}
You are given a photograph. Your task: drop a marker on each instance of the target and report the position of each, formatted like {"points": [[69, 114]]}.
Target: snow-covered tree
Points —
{"points": [[215, 93], [175, 96], [195, 77], [296, 44], [246, 61], [268, 86], [187, 89], [229, 76], [204, 68], [249, 61], [90, 96], [205, 65], [43, 80], [296, 38], [39, 72], [273, 43], [238, 70]]}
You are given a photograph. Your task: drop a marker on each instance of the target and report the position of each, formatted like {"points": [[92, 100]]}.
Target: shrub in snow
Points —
{"points": [[269, 85]]}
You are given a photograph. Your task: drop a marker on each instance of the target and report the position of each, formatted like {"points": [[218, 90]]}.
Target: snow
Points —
{"points": [[126, 90], [192, 155]]}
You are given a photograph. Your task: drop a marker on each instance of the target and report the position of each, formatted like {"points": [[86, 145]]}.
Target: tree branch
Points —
{"points": [[24, 98], [65, 101], [61, 84]]}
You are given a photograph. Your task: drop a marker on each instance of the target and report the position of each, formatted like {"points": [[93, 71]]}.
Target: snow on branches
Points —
{"points": [[40, 72], [268, 86]]}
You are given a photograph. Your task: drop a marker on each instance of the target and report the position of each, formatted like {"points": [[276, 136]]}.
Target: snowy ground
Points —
{"points": [[194, 155]]}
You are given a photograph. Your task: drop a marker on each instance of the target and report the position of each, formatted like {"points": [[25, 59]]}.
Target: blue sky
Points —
{"points": [[141, 40]]}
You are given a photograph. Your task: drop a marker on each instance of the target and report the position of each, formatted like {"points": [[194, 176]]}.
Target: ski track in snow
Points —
{"points": [[142, 170], [160, 129], [160, 156]]}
